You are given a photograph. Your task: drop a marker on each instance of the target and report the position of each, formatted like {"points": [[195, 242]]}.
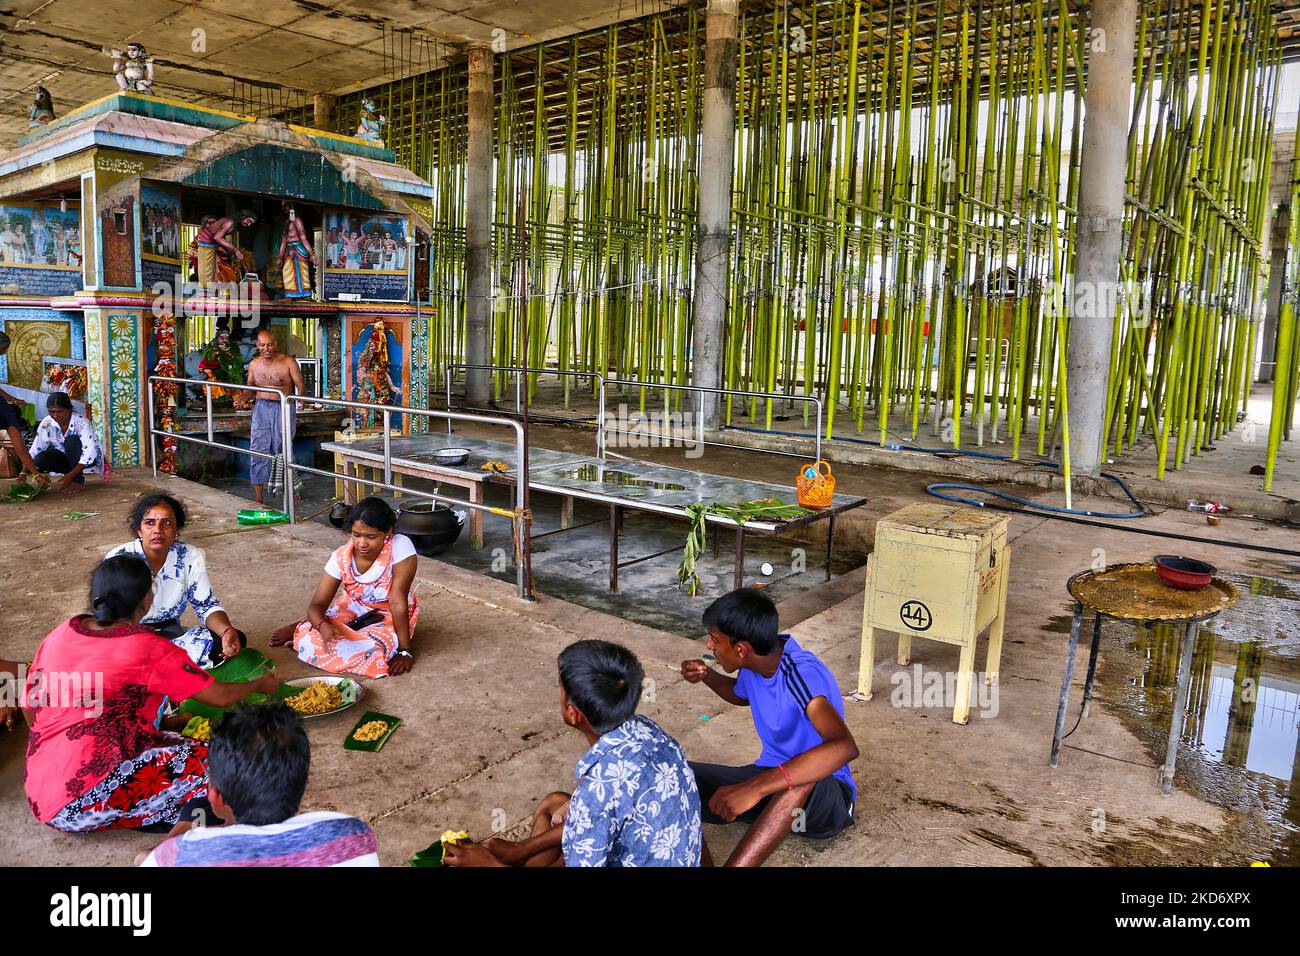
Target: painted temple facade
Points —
{"points": [[96, 211]]}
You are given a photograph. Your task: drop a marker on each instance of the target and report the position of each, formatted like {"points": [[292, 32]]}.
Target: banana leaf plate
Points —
{"points": [[431, 855], [250, 662], [371, 746]]}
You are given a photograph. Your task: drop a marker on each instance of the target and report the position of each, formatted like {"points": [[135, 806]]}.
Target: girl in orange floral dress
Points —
{"points": [[373, 571]]}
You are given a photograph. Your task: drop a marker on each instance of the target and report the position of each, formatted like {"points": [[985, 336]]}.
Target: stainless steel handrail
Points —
{"points": [[207, 387], [520, 518], [604, 382]]}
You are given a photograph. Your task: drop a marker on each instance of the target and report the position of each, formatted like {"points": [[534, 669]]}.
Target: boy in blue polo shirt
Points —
{"points": [[801, 781]]}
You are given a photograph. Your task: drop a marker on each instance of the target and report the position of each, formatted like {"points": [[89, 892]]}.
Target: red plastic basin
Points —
{"points": [[1188, 574]]}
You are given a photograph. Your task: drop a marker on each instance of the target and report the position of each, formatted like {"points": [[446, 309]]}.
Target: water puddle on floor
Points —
{"points": [[610, 476], [1240, 748]]}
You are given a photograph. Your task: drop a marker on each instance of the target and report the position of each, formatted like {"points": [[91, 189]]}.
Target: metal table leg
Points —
{"points": [[1092, 663], [740, 558], [1065, 684], [613, 547], [830, 541], [1180, 706]]}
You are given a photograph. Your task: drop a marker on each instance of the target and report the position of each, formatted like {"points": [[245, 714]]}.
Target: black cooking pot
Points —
{"points": [[339, 513], [432, 526]]}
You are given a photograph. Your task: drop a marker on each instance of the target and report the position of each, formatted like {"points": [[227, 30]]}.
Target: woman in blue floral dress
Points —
{"points": [[180, 581]]}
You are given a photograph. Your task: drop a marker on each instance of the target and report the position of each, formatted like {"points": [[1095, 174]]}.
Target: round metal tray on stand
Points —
{"points": [[1135, 593]]}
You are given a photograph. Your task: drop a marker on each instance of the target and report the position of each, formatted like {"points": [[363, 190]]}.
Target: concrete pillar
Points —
{"points": [[478, 222], [1279, 200], [1272, 308], [1099, 231], [323, 105], [713, 242]]}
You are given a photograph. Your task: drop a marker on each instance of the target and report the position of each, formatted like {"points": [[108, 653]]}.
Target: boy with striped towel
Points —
{"points": [[257, 771]]}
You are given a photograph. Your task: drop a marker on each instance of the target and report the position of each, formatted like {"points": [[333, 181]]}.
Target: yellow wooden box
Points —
{"points": [[938, 572]]}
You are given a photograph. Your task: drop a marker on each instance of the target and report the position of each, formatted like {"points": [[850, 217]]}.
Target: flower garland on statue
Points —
{"points": [[374, 383], [222, 365], [71, 379], [165, 338]]}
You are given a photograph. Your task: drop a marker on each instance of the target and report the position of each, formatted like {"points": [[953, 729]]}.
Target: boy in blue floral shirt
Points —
{"points": [[635, 803]]}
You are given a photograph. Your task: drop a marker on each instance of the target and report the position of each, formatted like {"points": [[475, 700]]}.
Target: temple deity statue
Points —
{"points": [[371, 127], [296, 256], [42, 110], [134, 70]]}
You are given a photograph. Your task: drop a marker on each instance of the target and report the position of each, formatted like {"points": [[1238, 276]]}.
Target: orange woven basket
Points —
{"points": [[815, 484]]}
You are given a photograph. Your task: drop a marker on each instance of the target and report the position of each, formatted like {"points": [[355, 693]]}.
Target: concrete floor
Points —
{"points": [[482, 739]]}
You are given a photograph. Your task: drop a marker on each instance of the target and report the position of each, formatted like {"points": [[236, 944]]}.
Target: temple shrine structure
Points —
{"points": [[102, 210]]}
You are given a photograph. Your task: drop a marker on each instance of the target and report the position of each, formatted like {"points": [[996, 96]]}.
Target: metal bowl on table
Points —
{"points": [[451, 456]]}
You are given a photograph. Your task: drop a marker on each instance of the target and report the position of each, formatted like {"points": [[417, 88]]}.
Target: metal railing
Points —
{"points": [[520, 517], [518, 378], [601, 427], [211, 442]]}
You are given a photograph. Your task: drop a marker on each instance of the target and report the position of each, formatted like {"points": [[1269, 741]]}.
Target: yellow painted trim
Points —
{"points": [[243, 118], [152, 258], [367, 272], [86, 106], [312, 131], [179, 104]]}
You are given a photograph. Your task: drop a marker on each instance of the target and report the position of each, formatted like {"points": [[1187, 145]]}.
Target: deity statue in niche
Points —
{"points": [[134, 70], [296, 256], [371, 127], [216, 259], [42, 109]]}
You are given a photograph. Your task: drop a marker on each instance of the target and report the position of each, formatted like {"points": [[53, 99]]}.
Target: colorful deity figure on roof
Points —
{"points": [[371, 126], [134, 69], [42, 109]]}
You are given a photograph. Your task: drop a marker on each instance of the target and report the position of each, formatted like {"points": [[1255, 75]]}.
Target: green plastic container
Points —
{"points": [[262, 516]]}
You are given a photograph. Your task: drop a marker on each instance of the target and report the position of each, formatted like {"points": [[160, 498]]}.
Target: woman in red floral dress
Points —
{"points": [[96, 756]]}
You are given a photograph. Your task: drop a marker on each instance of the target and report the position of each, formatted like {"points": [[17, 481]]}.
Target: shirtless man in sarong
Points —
{"points": [[278, 374]]}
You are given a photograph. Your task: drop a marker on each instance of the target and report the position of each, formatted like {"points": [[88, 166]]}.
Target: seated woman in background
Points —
{"points": [[66, 445], [370, 575], [180, 580], [96, 758]]}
